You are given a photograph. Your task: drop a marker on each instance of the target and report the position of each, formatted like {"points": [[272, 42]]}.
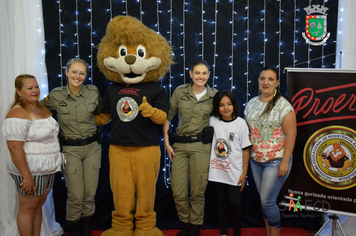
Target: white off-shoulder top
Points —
{"points": [[41, 144]]}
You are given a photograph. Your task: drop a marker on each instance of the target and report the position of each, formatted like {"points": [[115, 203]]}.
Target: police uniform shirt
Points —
{"points": [[193, 115], [75, 113], [129, 127]]}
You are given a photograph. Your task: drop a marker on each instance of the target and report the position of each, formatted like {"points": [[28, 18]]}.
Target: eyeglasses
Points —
{"points": [[74, 72]]}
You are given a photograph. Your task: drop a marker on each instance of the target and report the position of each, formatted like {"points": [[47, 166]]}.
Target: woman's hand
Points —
{"points": [[289, 126], [18, 157], [170, 152], [283, 168], [28, 186], [169, 148], [242, 181]]}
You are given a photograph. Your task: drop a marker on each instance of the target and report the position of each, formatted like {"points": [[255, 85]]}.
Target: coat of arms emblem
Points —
{"points": [[315, 25]]}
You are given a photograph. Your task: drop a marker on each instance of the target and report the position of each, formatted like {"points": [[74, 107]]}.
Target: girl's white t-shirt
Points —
{"points": [[226, 160]]}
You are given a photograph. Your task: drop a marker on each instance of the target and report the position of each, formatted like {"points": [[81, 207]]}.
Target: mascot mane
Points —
{"points": [[128, 30]]}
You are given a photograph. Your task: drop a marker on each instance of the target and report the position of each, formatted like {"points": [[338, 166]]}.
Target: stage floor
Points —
{"points": [[285, 231]]}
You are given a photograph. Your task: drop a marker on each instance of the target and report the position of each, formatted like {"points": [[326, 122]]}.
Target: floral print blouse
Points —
{"points": [[266, 132]]}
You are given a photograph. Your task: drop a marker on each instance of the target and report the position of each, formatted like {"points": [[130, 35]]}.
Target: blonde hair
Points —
{"points": [[18, 85], [74, 60]]}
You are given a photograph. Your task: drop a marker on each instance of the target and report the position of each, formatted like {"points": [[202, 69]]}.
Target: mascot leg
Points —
{"points": [[146, 161], [347, 164], [327, 163], [123, 188]]}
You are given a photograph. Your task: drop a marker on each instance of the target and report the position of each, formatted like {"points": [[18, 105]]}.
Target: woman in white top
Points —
{"points": [[273, 128], [31, 135]]}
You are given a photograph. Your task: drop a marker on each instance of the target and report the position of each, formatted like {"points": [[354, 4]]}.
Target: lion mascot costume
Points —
{"points": [[134, 58]]}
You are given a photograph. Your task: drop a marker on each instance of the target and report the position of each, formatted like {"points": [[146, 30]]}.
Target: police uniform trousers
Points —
{"points": [[190, 165], [81, 172]]}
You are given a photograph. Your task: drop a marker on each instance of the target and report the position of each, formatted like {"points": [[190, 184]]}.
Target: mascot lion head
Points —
{"points": [[131, 53]]}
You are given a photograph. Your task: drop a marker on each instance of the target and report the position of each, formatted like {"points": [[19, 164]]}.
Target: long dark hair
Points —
{"points": [[273, 102], [216, 103]]}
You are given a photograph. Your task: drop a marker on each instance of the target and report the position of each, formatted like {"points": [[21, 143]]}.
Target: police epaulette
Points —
{"points": [[59, 89], [183, 86], [91, 87]]}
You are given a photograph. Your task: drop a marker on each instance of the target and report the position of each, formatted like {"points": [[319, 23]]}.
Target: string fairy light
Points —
{"points": [[170, 42], [157, 24], [264, 33], [202, 29], [247, 48], [110, 9], [60, 41], [126, 7], [279, 37], [141, 12], [183, 42], [77, 27], [215, 38], [44, 85], [232, 45], [167, 163], [157, 14], [322, 48], [294, 31], [167, 169], [91, 41]]}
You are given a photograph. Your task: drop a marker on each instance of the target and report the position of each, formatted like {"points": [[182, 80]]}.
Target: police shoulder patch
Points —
{"points": [[184, 98], [62, 104]]}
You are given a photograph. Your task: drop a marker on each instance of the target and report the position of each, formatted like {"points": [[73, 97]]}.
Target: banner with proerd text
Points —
{"points": [[323, 175]]}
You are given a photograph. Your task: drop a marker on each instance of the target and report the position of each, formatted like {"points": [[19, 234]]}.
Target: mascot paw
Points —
{"points": [[112, 232], [145, 108], [156, 115], [153, 232]]}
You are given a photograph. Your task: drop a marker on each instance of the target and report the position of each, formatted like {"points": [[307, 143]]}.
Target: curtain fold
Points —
{"points": [[22, 51]]}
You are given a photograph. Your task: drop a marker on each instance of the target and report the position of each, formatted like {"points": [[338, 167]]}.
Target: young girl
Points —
{"points": [[229, 159]]}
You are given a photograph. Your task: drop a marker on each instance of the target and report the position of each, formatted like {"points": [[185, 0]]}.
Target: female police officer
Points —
{"points": [[191, 154], [76, 105]]}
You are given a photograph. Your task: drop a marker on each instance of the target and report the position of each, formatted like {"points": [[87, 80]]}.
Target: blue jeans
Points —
{"points": [[269, 184]]}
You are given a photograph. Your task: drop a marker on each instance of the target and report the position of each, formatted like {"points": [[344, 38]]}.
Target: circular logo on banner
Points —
{"points": [[330, 157], [127, 109], [222, 148]]}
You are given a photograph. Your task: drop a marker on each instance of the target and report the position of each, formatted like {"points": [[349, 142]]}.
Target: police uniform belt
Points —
{"points": [[188, 139], [79, 142]]}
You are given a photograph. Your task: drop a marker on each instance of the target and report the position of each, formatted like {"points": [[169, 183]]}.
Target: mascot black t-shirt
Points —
{"points": [[129, 126]]}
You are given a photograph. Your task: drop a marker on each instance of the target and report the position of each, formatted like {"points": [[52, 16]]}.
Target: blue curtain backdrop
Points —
{"points": [[237, 38]]}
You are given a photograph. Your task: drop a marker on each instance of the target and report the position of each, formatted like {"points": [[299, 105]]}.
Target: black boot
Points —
{"points": [[185, 230], [237, 233], [194, 230], [73, 228], [86, 226]]}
